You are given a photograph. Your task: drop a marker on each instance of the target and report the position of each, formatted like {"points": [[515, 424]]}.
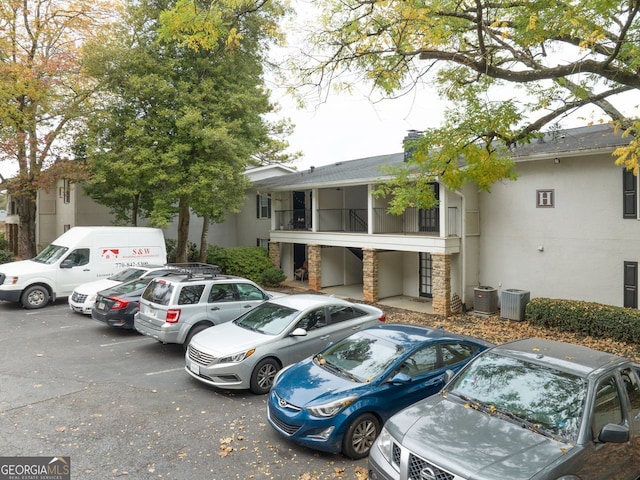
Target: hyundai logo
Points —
{"points": [[282, 402], [427, 473]]}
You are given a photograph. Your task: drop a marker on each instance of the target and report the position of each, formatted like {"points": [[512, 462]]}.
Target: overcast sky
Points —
{"points": [[347, 127]]}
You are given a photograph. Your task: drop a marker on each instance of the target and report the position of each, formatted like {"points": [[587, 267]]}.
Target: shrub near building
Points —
{"points": [[585, 318], [248, 262]]}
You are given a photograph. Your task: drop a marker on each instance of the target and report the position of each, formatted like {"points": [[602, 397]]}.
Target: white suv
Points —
{"points": [[176, 307]]}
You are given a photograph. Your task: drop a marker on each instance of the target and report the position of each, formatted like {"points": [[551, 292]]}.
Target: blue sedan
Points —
{"points": [[338, 400]]}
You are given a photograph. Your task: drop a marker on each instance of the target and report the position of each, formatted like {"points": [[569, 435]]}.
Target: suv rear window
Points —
{"points": [[158, 291]]}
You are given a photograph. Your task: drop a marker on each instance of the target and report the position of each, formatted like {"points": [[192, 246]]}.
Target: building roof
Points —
{"points": [[571, 142]]}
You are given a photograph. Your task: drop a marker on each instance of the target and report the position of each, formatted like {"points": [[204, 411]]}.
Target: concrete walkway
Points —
{"points": [[354, 292]]}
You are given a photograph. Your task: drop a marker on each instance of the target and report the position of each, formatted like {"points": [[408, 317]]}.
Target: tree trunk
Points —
{"points": [[203, 239], [27, 247], [183, 231], [134, 210]]}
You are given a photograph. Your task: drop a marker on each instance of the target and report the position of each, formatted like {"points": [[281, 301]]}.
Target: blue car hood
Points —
{"points": [[305, 382], [472, 444]]}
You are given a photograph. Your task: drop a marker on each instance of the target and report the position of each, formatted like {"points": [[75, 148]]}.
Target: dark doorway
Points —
{"points": [[299, 255], [425, 273], [300, 208]]}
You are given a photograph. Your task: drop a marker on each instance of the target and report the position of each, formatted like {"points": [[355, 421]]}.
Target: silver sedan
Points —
{"points": [[248, 352]]}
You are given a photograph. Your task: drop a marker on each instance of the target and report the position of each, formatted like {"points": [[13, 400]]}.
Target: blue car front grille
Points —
{"points": [[283, 426], [419, 467]]}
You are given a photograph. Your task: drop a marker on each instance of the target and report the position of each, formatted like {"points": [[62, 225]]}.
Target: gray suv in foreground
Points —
{"points": [[529, 409], [176, 307]]}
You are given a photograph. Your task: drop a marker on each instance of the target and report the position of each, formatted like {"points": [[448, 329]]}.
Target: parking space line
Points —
{"points": [[125, 341], [160, 372]]}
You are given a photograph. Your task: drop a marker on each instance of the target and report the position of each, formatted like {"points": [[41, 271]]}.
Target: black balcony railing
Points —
{"points": [[413, 221]]}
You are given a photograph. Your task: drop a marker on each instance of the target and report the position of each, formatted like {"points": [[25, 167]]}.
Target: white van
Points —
{"points": [[80, 255]]}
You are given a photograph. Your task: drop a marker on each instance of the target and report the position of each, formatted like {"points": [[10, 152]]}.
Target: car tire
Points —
{"points": [[35, 296], [263, 375], [360, 436], [196, 329]]}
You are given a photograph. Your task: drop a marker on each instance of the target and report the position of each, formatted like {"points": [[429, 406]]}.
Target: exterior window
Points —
{"points": [[607, 407], [64, 192], [631, 284], [263, 206], [629, 194], [263, 243]]}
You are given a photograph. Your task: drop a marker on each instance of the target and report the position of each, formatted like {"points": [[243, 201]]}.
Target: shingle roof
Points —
{"points": [[362, 171]]}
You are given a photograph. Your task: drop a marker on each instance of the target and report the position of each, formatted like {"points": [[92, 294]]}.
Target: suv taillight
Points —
{"points": [[173, 315]]}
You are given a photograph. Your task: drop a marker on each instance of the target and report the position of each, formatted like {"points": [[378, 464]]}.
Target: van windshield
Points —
{"points": [[50, 254]]}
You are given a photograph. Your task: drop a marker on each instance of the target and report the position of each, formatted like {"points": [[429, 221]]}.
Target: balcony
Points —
{"points": [[355, 220], [414, 230]]}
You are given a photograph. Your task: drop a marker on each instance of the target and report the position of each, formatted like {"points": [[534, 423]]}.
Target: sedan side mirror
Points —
{"points": [[400, 378], [298, 332]]}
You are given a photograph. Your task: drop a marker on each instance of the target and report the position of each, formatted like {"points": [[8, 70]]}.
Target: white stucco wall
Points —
{"points": [[575, 250], [391, 274]]}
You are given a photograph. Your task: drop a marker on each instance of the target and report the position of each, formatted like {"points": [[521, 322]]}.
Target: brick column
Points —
{"points": [[370, 291], [441, 284], [274, 254], [314, 262]]}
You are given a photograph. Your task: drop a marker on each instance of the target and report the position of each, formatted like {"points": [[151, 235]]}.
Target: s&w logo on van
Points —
{"points": [[110, 253]]}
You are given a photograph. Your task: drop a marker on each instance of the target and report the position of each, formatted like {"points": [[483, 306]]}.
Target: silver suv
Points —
{"points": [[176, 307], [530, 409]]}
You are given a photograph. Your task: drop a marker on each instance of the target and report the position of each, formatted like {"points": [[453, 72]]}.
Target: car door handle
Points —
{"points": [[434, 381], [324, 337], [357, 327], [213, 309], [248, 306]]}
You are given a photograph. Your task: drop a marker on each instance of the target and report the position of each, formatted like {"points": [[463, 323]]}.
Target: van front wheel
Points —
{"points": [[36, 296]]}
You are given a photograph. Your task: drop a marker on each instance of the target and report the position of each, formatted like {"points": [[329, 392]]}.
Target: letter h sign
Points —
{"points": [[545, 198]]}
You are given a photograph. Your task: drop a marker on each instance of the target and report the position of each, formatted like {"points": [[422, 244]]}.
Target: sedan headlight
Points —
{"points": [[237, 357], [332, 408], [385, 444]]}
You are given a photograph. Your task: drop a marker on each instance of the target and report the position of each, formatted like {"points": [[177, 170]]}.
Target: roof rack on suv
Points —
{"points": [[196, 268]]}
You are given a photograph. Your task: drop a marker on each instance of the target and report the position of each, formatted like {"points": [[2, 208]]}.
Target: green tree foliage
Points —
{"points": [[178, 125], [43, 93], [551, 57]]}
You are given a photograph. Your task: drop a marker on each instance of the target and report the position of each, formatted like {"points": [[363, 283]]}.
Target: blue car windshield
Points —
{"points": [[548, 399], [363, 356], [50, 254], [267, 318]]}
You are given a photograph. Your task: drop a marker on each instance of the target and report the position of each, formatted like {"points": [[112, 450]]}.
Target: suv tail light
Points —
{"points": [[173, 315], [118, 303]]}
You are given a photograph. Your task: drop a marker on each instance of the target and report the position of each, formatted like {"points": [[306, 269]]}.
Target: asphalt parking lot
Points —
{"points": [[121, 406]]}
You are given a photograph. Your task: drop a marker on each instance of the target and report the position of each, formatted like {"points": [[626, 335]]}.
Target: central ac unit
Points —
{"points": [[485, 300]]}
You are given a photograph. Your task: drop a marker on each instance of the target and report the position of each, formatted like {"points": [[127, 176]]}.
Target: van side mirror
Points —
{"points": [[66, 263]]}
